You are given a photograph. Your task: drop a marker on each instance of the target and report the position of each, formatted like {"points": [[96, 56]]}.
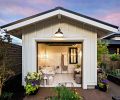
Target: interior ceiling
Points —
{"points": [[62, 43]]}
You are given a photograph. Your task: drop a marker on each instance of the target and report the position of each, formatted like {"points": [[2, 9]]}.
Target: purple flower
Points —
{"points": [[35, 82], [105, 81]]}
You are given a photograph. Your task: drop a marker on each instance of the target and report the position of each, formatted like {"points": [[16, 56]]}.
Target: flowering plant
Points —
{"points": [[32, 82], [102, 77], [64, 93], [102, 81], [105, 81]]}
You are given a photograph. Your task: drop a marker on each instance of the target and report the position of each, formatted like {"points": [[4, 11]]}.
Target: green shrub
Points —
{"points": [[6, 96], [63, 93], [102, 51], [115, 57], [115, 72], [102, 65]]}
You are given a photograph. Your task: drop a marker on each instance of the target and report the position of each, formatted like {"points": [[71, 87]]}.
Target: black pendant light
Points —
{"points": [[59, 33]]}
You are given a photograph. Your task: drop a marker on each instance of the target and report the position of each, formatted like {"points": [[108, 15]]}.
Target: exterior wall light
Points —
{"points": [[59, 33]]}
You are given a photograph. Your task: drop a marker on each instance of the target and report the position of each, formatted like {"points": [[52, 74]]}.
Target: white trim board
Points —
{"points": [[83, 40]]}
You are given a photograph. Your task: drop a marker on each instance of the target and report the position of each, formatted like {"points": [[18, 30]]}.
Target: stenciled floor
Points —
{"points": [[63, 78]]}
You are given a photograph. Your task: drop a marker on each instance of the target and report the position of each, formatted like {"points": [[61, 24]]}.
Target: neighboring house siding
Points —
{"points": [[114, 49], [14, 58], [71, 29], [113, 45]]}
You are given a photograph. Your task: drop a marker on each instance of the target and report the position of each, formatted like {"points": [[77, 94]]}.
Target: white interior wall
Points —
{"points": [[51, 56]]}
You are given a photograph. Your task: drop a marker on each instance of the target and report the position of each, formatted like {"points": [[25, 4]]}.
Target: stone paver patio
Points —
{"points": [[91, 94]]}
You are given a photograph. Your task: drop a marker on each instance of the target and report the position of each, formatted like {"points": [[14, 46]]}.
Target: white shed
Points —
{"points": [[58, 55]]}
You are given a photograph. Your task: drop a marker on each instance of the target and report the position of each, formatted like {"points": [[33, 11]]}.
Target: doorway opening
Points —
{"points": [[60, 62]]}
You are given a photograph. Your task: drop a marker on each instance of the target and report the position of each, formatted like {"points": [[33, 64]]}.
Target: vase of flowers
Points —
{"points": [[32, 83]]}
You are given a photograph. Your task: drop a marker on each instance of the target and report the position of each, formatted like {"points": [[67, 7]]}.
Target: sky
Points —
{"points": [[105, 10]]}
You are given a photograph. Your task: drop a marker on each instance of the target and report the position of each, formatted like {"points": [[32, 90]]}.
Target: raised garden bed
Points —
{"points": [[114, 79]]}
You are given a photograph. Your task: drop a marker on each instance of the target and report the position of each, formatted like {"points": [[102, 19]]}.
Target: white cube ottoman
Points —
{"points": [[50, 80]]}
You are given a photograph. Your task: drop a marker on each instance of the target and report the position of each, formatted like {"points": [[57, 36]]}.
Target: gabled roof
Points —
{"points": [[112, 42], [64, 12], [111, 36]]}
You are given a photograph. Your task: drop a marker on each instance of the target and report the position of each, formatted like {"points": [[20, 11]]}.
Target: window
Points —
{"points": [[73, 55], [118, 50]]}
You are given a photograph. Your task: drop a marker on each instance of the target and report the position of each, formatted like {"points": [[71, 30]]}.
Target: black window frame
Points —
{"points": [[70, 55]]}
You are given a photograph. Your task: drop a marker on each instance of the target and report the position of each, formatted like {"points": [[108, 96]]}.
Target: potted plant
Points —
{"points": [[32, 83], [102, 82], [103, 86], [78, 66]]}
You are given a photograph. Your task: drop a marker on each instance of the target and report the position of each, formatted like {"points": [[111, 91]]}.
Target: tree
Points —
{"points": [[5, 72], [102, 51]]}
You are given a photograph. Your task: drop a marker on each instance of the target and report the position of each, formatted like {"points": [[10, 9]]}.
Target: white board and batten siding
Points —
{"points": [[73, 31]]}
